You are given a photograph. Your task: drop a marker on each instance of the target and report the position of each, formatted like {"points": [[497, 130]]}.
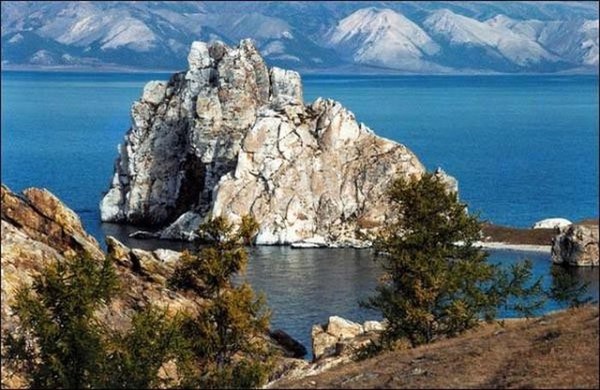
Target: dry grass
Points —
{"points": [[497, 233], [589, 222], [511, 235], [556, 351]]}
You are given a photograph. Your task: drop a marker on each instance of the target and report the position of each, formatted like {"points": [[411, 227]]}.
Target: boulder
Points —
{"points": [[231, 137], [373, 326], [551, 223], [341, 337], [323, 343], [576, 245], [117, 250], [44, 218], [342, 328]]}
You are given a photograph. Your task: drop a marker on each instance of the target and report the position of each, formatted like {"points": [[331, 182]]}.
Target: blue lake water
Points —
{"points": [[523, 148]]}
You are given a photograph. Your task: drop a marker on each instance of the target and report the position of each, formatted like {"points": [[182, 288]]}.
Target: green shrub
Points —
{"points": [[60, 344], [227, 336], [137, 355], [437, 283]]}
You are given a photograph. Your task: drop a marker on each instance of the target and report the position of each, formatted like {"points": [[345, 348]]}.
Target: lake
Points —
{"points": [[523, 148]]}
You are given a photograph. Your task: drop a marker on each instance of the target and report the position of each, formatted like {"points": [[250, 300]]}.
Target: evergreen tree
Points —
{"points": [[60, 344], [228, 334], [437, 283], [136, 357]]}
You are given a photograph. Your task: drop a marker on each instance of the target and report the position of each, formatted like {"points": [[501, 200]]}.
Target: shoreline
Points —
{"points": [[514, 247], [375, 72]]}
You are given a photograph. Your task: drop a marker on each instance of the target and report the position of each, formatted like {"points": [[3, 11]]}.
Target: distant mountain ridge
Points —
{"points": [[406, 37]]}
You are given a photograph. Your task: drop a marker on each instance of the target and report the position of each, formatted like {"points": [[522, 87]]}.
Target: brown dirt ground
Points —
{"points": [[497, 233], [556, 351]]}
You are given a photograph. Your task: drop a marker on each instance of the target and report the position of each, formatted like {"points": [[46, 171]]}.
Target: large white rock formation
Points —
{"points": [[230, 137]]}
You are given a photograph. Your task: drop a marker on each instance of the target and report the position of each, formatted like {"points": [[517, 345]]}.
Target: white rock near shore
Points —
{"points": [[551, 223], [231, 137]]}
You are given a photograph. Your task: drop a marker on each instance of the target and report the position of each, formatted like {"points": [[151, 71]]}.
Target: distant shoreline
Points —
{"points": [[522, 239], [514, 247], [303, 72], [86, 70]]}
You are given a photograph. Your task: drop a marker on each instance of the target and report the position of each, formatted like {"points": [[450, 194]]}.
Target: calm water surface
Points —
{"points": [[523, 148]]}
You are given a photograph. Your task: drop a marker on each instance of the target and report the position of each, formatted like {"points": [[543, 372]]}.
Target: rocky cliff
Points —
{"points": [[231, 137]]}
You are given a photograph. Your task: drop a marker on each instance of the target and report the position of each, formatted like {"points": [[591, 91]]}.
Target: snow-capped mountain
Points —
{"points": [[415, 37], [494, 40], [385, 38]]}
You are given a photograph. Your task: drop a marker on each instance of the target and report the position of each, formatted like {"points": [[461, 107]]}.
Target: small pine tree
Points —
{"points": [[136, 356], [437, 282], [248, 229], [60, 344], [227, 333]]}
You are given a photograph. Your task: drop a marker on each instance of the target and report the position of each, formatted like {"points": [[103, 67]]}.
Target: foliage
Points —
{"points": [[62, 344], [59, 343], [137, 356], [368, 351], [567, 288], [227, 333], [248, 229], [438, 283]]}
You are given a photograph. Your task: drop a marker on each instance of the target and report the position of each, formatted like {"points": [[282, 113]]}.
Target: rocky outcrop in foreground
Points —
{"points": [[334, 343], [340, 337], [230, 137], [38, 229], [555, 351], [576, 245]]}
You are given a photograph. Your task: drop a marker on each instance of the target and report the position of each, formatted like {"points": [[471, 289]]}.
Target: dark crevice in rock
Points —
{"points": [[193, 172]]}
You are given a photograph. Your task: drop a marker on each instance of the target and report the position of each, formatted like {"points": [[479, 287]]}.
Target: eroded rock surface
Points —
{"points": [[231, 137], [576, 245]]}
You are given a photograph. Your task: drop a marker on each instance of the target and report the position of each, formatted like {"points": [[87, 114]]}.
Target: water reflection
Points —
{"points": [[305, 287]]}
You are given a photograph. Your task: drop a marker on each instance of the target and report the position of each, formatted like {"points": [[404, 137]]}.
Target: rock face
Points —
{"points": [[551, 223], [42, 216], [37, 229], [576, 245], [231, 137]]}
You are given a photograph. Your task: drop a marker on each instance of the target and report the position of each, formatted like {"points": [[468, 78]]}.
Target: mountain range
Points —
{"points": [[366, 37]]}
